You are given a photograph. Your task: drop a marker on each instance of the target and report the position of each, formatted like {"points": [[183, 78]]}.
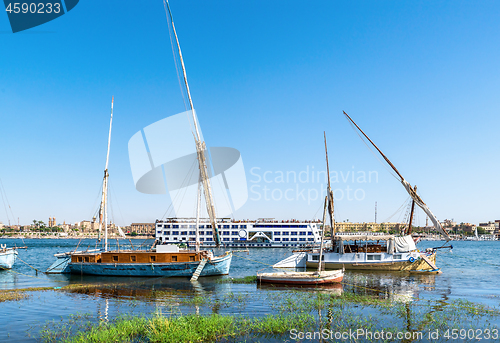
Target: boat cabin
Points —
{"points": [[136, 257], [345, 244]]}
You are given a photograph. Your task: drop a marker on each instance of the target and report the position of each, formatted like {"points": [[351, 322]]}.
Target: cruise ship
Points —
{"points": [[259, 233]]}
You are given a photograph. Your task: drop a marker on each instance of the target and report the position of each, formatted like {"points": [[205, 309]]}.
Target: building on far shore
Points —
{"points": [[489, 227], [143, 229], [353, 227]]}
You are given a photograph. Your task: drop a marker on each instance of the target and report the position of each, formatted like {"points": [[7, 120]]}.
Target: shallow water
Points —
{"points": [[470, 272]]}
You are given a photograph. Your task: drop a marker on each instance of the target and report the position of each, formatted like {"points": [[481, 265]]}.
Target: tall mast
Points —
{"points": [[200, 145], [408, 232], [198, 205], [330, 194], [104, 202], [322, 235]]}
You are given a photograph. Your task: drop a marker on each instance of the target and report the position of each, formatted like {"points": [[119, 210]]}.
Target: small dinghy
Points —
{"points": [[303, 278], [317, 277]]}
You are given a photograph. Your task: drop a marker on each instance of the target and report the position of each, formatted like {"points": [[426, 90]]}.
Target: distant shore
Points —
{"points": [[70, 237]]}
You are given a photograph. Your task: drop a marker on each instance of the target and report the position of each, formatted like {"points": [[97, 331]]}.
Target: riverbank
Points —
{"points": [[36, 236], [305, 315]]}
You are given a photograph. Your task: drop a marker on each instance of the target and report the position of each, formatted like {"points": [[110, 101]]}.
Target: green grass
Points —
{"points": [[300, 309], [188, 328], [246, 279]]}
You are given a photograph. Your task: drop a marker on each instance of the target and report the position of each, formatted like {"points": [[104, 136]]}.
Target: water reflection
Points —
{"points": [[7, 278], [397, 286], [332, 289]]}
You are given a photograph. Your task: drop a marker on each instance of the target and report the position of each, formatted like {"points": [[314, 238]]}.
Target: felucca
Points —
{"points": [[376, 251], [161, 260], [320, 276]]}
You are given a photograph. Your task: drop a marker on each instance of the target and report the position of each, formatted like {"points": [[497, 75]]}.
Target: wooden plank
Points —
{"points": [[198, 270], [429, 262]]}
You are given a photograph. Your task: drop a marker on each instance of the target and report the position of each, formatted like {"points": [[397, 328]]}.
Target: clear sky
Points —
{"points": [[267, 78]]}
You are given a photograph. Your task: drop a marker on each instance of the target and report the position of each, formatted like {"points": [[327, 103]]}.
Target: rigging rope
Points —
{"points": [[384, 164], [3, 193], [174, 55], [184, 187], [399, 209]]}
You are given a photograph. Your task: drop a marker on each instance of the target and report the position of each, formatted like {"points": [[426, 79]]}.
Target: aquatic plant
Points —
{"points": [[188, 328], [246, 279], [12, 295]]}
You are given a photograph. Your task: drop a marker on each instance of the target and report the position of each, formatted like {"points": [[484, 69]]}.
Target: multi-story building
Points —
{"points": [[143, 229], [353, 227], [489, 227]]}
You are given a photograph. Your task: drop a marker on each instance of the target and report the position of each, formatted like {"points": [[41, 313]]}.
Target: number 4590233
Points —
{"points": [[42, 8]]}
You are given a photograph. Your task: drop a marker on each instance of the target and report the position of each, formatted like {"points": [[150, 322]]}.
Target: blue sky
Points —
{"points": [[267, 78]]}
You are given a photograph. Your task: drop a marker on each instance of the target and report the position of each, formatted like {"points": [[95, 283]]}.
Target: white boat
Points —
{"points": [[375, 252], [7, 257], [317, 277], [303, 278]]}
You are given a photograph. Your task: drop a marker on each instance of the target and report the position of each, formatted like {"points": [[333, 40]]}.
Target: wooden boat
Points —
{"points": [[161, 260], [372, 251], [7, 257], [303, 278], [310, 278], [387, 252]]}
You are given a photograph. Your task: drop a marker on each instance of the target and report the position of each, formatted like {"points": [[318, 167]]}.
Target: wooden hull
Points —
{"points": [[380, 266], [7, 258], [302, 278]]}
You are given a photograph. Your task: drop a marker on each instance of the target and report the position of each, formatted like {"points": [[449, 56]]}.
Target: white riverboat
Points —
{"points": [[262, 233]]}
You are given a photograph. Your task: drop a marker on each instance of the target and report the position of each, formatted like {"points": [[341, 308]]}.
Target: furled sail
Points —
{"points": [[408, 187], [426, 209]]}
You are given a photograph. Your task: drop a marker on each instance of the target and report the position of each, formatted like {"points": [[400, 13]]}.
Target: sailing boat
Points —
{"points": [[320, 276], [377, 252], [7, 255], [162, 260]]}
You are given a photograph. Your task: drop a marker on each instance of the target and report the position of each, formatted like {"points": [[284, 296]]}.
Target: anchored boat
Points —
{"points": [[161, 260], [7, 257], [320, 276], [303, 278], [373, 251]]}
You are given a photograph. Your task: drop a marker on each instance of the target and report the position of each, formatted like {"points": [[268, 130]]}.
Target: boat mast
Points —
{"points": [[322, 235], [104, 201], [200, 146], [408, 232], [198, 205], [329, 194]]}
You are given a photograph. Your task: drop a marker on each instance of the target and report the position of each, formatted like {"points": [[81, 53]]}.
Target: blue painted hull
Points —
{"points": [[217, 266]]}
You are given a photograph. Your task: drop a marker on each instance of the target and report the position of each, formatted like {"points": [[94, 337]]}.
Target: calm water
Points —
{"points": [[470, 272]]}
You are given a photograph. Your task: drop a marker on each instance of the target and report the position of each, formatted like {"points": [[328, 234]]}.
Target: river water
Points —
{"points": [[470, 272]]}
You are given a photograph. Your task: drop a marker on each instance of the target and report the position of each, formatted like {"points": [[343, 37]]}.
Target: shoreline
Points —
{"points": [[74, 237]]}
